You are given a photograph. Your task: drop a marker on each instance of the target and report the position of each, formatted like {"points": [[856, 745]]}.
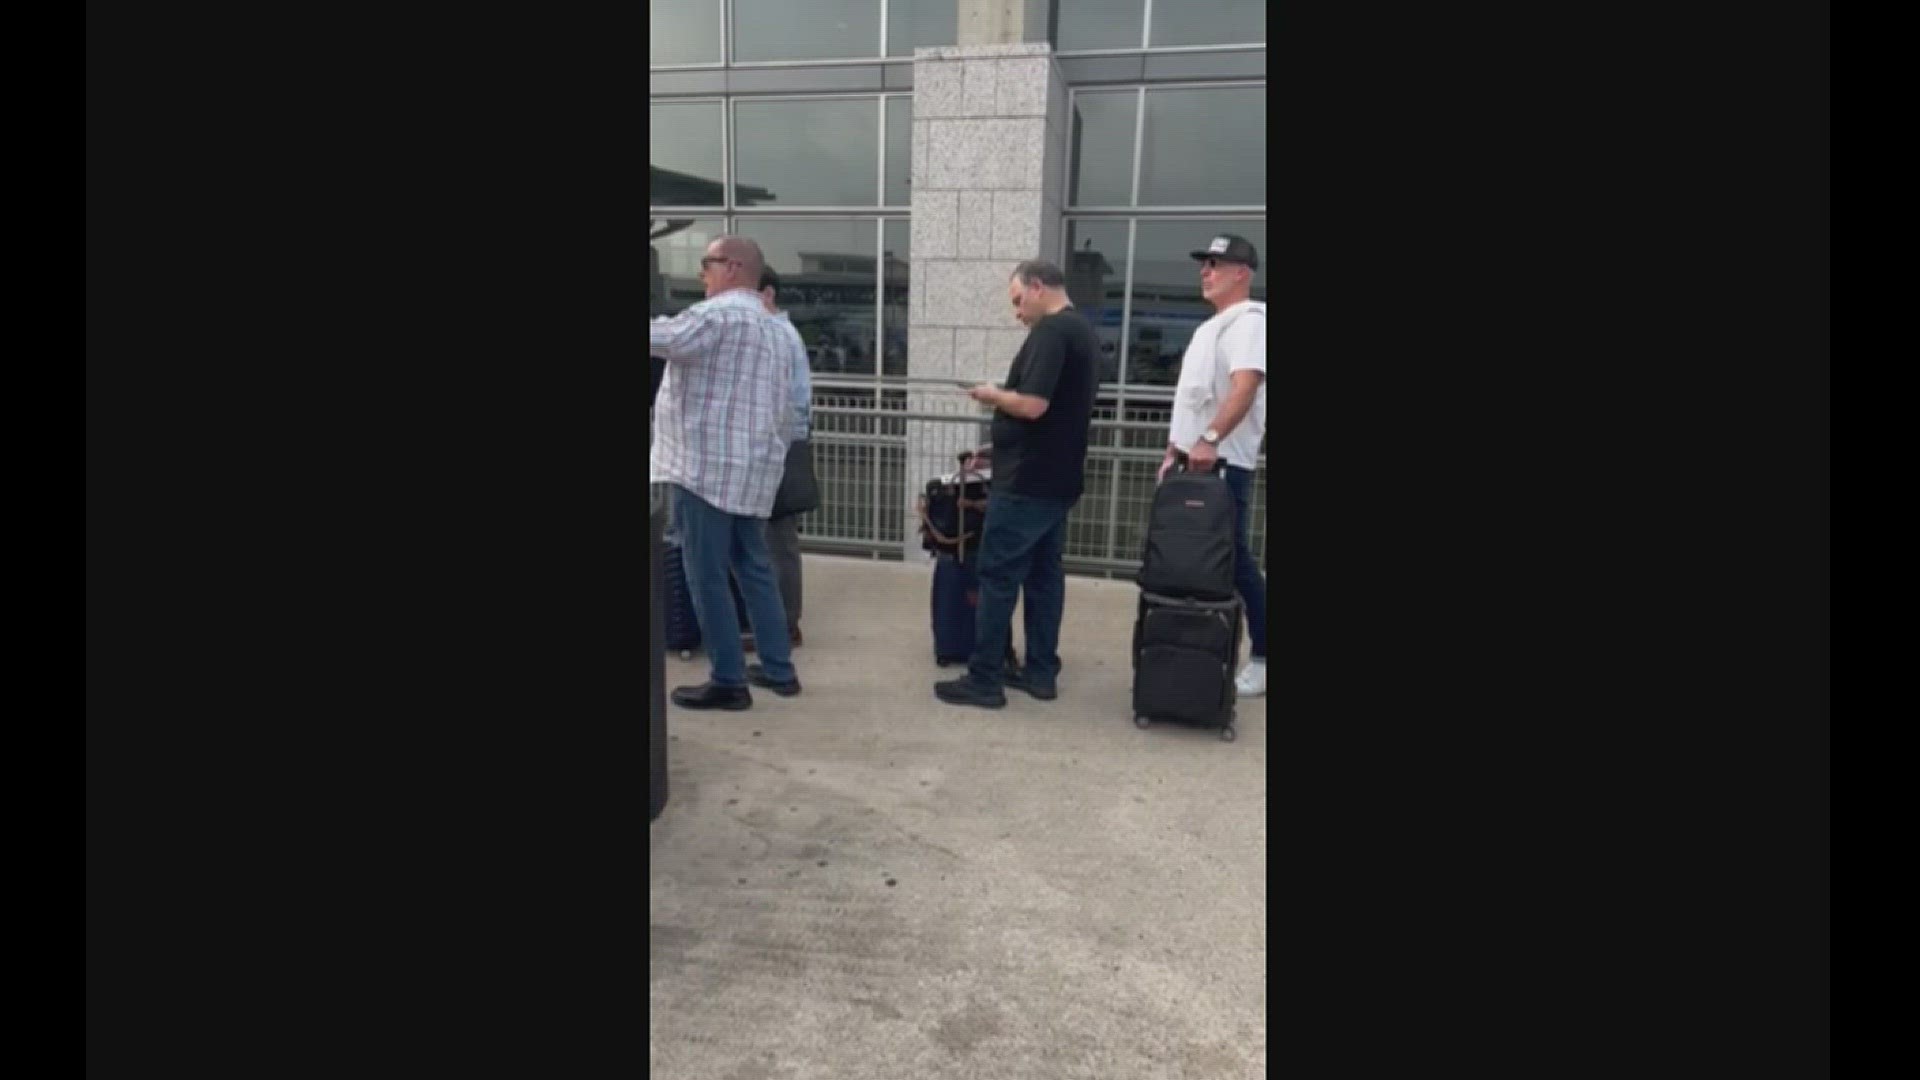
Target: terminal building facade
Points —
{"points": [[896, 158]]}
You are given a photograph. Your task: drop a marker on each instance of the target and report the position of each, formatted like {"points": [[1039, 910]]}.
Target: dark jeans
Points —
{"points": [[1025, 538], [1246, 568], [714, 543]]}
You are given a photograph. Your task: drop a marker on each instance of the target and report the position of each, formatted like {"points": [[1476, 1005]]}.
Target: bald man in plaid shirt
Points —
{"points": [[721, 424]]}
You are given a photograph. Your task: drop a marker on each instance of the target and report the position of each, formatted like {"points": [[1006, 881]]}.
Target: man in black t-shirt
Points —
{"points": [[1040, 425]]}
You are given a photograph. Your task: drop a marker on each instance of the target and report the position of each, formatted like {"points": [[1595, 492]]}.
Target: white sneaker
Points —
{"points": [[1253, 679]]}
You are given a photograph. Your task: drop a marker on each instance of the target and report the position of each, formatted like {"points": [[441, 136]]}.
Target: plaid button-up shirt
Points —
{"points": [[724, 415]]}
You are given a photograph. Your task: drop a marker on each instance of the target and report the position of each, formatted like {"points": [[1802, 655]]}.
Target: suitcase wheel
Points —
{"points": [[1227, 734], [1141, 722]]}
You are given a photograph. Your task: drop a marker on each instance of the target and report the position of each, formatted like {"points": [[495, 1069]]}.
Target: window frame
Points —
{"points": [[1146, 42], [729, 204], [726, 45], [735, 218], [726, 154], [1120, 389], [880, 57], [883, 56], [739, 223], [1141, 90], [880, 155]]}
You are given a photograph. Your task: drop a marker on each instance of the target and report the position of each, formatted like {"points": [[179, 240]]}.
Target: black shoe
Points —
{"points": [[757, 675], [1016, 679], [967, 692], [713, 696]]}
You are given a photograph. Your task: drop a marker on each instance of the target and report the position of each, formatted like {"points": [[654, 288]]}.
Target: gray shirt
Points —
{"points": [[801, 389]]}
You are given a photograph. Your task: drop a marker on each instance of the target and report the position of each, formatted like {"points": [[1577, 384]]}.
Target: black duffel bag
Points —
{"points": [[799, 491]]}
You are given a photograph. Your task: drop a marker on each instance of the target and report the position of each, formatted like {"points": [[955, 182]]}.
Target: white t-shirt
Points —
{"points": [[1206, 377]]}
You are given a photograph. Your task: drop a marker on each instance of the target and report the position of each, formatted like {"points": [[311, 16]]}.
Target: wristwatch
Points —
{"points": [[1210, 437]]}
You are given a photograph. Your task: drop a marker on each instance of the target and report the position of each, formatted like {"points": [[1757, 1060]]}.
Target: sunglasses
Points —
{"points": [[715, 260]]}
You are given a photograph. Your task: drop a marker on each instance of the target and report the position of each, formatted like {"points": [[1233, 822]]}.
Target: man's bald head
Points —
{"points": [[732, 262]]}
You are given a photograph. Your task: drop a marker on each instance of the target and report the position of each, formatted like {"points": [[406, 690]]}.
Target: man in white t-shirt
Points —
{"points": [[1220, 414]]}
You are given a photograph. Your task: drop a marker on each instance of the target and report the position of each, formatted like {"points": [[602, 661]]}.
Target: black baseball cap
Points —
{"points": [[1230, 248]]}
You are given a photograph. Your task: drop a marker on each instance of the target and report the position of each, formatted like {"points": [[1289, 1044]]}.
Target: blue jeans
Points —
{"points": [[1024, 540], [1246, 569], [714, 544]]}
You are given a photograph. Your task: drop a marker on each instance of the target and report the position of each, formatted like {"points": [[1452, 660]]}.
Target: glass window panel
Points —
{"points": [[899, 151], [912, 24], [1100, 24], [683, 154], [805, 29], [826, 285], [683, 32], [674, 248], [898, 252], [1208, 22], [1166, 303], [806, 152], [1205, 147], [1095, 266], [1102, 149]]}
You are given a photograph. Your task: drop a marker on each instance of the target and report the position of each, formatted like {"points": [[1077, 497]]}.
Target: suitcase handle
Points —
{"points": [[943, 538], [1180, 464]]}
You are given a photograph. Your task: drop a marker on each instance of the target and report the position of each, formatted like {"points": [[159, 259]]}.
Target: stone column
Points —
{"points": [[989, 144], [997, 22]]}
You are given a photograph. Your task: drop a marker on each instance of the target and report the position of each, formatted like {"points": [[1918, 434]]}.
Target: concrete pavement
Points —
{"points": [[863, 883]]}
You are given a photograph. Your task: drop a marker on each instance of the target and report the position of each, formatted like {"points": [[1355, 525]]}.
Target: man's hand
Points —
{"points": [[1200, 459], [985, 394], [1166, 465]]}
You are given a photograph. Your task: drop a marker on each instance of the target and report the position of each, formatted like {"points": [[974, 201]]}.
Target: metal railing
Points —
{"points": [[876, 445]]}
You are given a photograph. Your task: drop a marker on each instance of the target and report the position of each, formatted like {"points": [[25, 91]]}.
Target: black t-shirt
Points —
{"points": [[1047, 458]]}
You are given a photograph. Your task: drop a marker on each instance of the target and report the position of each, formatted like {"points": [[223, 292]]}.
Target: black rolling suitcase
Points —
{"points": [[953, 513], [1184, 651], [657, 646], [956, 605], [681, 631], [956, 611]]}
